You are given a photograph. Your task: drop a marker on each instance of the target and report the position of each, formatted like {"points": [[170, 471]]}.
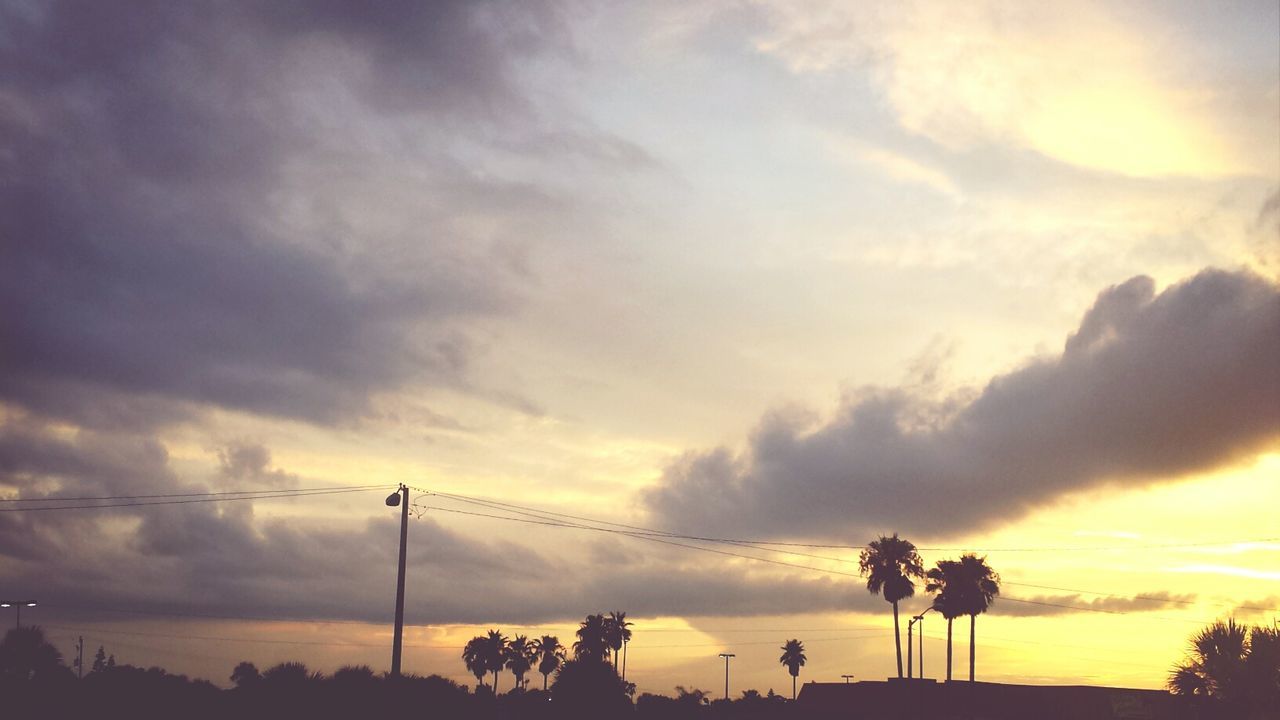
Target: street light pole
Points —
{"points": [[847, 678], [919, 619], [726, 657], [910, 643], [400, 497], [17, 606]]}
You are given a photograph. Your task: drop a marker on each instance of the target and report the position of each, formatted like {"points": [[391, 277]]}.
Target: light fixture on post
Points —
{"points": [[399, 497], [17, 606]]}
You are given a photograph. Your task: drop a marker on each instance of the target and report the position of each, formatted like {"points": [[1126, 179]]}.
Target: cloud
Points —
{"points": [[1074, 85], [1150, 387], [248, 462], [1038, 605], [194, 207]]}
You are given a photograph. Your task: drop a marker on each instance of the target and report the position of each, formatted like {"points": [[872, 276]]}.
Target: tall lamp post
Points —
{"points": [[847, 678], [17, 606], [917, 619], [399, 497], [726, 657]]}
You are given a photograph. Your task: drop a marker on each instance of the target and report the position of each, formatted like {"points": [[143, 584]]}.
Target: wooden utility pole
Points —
{"points": [[400, 497]]}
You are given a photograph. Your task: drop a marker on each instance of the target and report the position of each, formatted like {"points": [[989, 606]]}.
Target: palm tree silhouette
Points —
{"points": [[592, 639], [618, 634], [519, 655], [1237, 669], [495, 651], [474, 656], [979, 586], [944, 579], [551, 653], [793, 657], [888, 564]]}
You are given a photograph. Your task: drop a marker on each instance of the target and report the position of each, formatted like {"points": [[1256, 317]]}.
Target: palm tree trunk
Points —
{"points": [[495, 683], [972, 621], [949, 621], [624, 661], [897, 638], [544, 681], [793, 687]]}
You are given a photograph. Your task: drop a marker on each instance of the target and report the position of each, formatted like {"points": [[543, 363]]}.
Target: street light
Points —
{"points": [[397, 642], [917, 619], [726, 657], [17, 606], [847, 678]]}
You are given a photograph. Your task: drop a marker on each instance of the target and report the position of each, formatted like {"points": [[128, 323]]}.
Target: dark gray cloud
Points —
{"points": [[1149, 388], [1038, 605], [249, 463], [148, 152]]}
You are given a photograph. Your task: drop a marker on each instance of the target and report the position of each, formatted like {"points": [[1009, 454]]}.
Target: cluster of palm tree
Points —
{"points": [[605, 637], [600, 637], [961, 587], [492, 653]]}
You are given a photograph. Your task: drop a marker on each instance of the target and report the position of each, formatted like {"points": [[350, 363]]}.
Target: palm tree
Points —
{"points": [[551, 653], [888, 564], [474, 656], [793, 657], [592, 639], [519, 655], [944, 579], [618, 635], [979, 587], [1235, 667], [495, 651]]}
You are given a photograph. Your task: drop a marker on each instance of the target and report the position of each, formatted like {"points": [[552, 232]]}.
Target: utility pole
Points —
{"points": [[400, 497], [80, 658], [726, 657]]}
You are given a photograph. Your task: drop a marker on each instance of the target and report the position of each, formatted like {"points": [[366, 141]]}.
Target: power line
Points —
{"points": [[739, 541], [190, 501], [650, 536], [190, 494]]}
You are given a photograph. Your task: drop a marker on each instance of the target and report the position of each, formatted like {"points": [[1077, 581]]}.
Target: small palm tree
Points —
{"points": [[592, 639], [618, 634], [519, 655], [495, 655], [551, 654], [793, 657], [979, 587], [944, 579], [888, 564], [474, 657]]}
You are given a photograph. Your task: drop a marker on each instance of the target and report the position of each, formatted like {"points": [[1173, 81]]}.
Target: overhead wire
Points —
{"points": [[548, 518], [313, 493]]}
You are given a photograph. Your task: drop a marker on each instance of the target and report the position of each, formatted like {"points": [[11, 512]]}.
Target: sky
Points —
{"points": [[999, 277]]}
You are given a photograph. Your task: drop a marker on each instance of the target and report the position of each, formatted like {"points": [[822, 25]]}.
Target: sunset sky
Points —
{"points": [[1000, 277]]}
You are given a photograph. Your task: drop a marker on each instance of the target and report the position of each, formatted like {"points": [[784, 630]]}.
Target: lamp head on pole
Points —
{"points": [[393, 499]]}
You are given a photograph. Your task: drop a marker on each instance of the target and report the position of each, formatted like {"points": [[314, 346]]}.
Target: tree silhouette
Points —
{"points": [[617, 635], [979, 585], [888, 564], [244, 675], [550, 654], [473, 654], [519, 655], [1233, 667], [587, 687], [99, 660], [494, 649], [592, 639], [793, 657], [26, 655], [944, 579]]}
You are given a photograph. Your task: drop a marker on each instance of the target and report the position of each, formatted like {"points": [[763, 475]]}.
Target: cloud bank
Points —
{"points": [[1150, 387]]}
